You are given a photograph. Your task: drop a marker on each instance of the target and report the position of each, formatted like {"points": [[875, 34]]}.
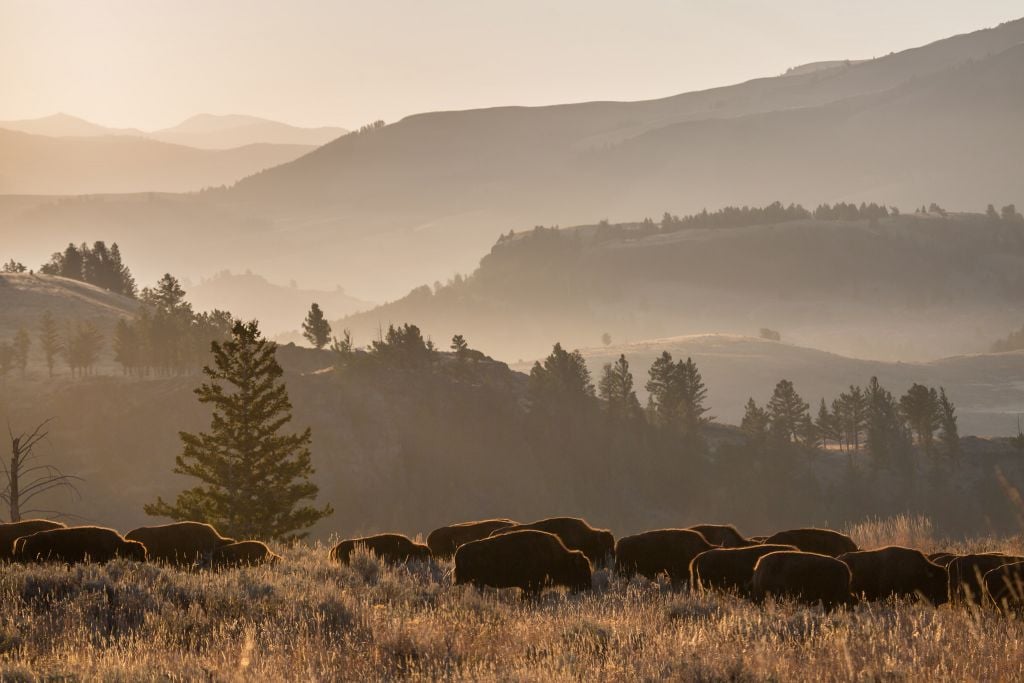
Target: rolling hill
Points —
{"points": [[25, 297], [421, 199], [36, 164], [907, 287], [210, 131], [279, 309]]}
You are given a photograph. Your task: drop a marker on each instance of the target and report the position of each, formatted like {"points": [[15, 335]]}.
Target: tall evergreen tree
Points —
{"points": [[563, 379], [826, 426], [755, 424], [885, 437], [949, 435], [315, 327], [616, 389], [254, 478], [920, 408], [127, 348], [662, 397], [49, 340], [789, 414]]}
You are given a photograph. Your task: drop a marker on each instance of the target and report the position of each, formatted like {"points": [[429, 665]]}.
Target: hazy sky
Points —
{"points": [[150, 64]]}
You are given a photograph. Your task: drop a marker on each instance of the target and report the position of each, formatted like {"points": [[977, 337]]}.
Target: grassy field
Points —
{"points": [[310, 620]]}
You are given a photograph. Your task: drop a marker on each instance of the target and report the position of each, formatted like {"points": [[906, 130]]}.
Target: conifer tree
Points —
{"points": [[253, 476], [949, 435], [49, 340], [920, 407], [755, 424], [315, 327], [790, 415], [459, 346], [616, 389]]}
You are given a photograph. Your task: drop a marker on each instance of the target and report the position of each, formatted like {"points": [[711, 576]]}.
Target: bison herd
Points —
{"points": [[809, 565]]}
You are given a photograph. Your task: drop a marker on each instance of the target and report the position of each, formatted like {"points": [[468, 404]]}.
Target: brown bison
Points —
{"points": [[808, 577], [392, 548], [819, 541], [894, 570], [1004, 586], [179, 543], [445, 541], [730, 568], [576, 534], [522, 559], [941, 558], [967, 575], [722, 535], [77, 544], [12, 531], [243, 553], [663, 551]]}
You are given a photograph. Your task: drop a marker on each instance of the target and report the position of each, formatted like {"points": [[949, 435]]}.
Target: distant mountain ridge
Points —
{"points": [[203, 131], [422, 198]]}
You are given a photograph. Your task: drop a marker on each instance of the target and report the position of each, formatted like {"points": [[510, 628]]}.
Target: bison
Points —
{"points": [[576, 534], [819, 541], [179, 543], [663, 551], [942, 558], [522, 559], [730, 568], [896, 571], [77, 544], [392, 548], [722, 535], [1004, 586], [243, 553], [967, 575], [12, 531], [445, 541], [808, 577]]}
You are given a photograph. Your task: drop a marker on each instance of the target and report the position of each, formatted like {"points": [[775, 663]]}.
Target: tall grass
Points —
{"points": [[309, 620]]}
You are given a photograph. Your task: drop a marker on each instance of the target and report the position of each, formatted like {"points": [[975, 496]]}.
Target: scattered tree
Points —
{"points": [[315, 327], [21, 345], [949, 435], [789, 414], [616, 389], [254, 478], [13, 266], [459, 346], [27, 478]]}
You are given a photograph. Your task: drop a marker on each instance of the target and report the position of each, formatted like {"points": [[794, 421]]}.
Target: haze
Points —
{"points": [[152, 64]]}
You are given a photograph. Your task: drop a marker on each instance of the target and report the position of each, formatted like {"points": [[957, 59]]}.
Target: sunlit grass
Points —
{"points": [[308, 619]]}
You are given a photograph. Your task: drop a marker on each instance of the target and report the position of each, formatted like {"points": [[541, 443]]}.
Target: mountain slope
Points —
{"points": [[209, 131], [64, 125], [35, 164], [904, 287], [279, 309], [424, 197]]}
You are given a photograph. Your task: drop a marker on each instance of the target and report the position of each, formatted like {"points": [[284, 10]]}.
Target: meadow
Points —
{"points": [[308, 619]]}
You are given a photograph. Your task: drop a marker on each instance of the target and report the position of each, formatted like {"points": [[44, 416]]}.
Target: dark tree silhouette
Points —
{"points": [[254, 478], [315, 327], [616, 389], [27, 478]]}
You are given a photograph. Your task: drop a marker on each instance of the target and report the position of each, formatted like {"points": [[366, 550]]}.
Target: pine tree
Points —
{"points": [[663, 400], [49, 340], [789, 414], [315, 327], [826, 426], [127, 351], [253, 477], [22, 343], [459, 346], [755, 424], [886, 439], [616, 389], [563, 380], [950, 434], [920, 407]]}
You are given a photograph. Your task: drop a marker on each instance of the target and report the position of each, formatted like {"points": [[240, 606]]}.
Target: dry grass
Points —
{"points": [[310, 620]]}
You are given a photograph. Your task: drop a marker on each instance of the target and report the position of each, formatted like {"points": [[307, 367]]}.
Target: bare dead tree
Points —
{"points": [[27, 477]]}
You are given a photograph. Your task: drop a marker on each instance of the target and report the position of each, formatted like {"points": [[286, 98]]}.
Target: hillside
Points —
{"points": [[24, 298], [421, 199], [907, 287], [279, 309], [988, 388], [209, 131], [36, 164], [412, 446]]}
